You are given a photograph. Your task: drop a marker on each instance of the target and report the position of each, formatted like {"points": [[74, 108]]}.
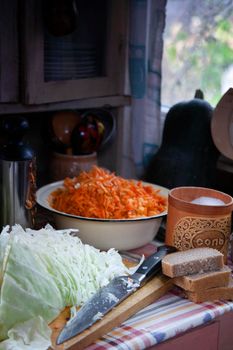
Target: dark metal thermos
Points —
{"points": [[17, 175]]}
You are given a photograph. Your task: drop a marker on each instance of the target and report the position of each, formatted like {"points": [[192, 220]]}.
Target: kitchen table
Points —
{"points": [[173, 322]]}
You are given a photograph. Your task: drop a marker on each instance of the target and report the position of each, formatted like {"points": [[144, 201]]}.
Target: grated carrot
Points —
{"points": [[99, 193]]}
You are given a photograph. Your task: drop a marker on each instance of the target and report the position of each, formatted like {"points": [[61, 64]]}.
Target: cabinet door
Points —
{"points": [[40, 86]]}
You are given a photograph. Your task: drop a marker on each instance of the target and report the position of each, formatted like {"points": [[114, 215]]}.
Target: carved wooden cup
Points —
{"points": [[199, 217]]}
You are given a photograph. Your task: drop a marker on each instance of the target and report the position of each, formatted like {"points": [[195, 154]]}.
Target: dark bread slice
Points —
{"points": [[188, 262], [211, 294], [205, 280]]}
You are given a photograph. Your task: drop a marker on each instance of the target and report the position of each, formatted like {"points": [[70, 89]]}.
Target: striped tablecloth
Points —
{"points": [[167, 317]]}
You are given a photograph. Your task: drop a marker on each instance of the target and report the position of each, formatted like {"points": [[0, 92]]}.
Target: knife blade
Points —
{"points": [[109, 296]]}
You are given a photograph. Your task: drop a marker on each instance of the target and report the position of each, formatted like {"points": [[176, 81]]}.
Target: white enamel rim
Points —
{"points": [[43, 193]]}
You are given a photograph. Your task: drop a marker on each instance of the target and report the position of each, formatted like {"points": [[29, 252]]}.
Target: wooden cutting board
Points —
{"points": [[144, 296]]}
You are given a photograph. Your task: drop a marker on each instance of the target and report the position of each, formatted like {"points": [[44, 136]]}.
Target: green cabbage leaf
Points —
{"points": [[33, 334], [42, 272]]}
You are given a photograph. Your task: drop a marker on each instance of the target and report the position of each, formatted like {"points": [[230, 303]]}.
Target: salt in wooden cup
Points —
{"points": [[206, 223]]}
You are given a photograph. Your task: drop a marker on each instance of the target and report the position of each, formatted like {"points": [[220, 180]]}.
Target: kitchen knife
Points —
{"points": [[109, 296]]}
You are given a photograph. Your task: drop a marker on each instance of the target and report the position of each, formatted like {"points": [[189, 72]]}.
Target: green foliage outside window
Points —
{"points": [[198, 49]]}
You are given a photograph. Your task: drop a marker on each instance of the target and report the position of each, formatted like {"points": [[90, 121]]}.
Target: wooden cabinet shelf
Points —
{"points": [[24, 86]]}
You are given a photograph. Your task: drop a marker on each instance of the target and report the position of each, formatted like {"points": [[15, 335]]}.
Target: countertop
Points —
{"points": [[164, 319], [169, 318]]}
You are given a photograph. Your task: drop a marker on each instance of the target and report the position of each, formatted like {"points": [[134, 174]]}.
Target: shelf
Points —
{"points": [[112, 101]]}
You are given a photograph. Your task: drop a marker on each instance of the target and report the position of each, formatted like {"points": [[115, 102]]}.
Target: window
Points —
{"points": [[198, 50]]}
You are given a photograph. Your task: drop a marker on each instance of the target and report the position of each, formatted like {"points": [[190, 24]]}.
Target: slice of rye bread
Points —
{"points": [[211, 294], [204, 280], [189, 262]]}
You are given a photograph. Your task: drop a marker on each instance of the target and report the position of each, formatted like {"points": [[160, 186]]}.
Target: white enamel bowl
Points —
{"points": [[104, 234]]}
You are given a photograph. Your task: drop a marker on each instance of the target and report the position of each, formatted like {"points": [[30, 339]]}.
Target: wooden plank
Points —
{"points": [[150, 292]]}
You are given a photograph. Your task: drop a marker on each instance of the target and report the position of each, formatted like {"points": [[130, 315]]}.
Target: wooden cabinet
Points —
{"points": [[23, 79], [27, 85], [9, 52], [106, 83]]}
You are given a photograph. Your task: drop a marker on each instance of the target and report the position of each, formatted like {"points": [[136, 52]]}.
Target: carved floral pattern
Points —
{"points": [[189, 228]]}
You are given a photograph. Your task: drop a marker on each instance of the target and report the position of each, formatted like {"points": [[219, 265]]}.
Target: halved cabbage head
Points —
{"points": [[43, 271]]}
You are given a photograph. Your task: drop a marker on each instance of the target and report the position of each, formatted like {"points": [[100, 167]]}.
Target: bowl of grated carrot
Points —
{"points": [[107, 210]]}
